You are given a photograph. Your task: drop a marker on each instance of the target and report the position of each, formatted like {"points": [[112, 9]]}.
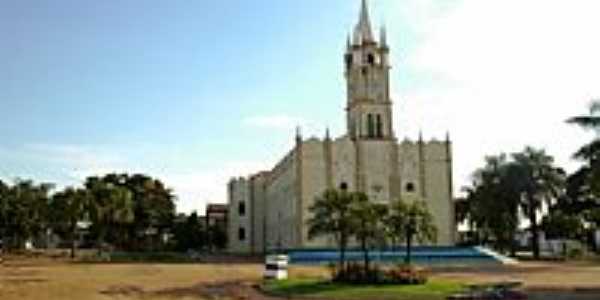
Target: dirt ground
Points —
{"points": [[542, 281], [52, 280]]}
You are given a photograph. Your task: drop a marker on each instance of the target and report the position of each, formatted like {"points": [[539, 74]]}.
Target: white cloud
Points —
{"points": [[507, 74], [197, 188], [81, 161], [283, 122]]}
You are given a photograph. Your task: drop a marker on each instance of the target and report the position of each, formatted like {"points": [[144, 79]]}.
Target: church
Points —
{"points": [[269, 210]]}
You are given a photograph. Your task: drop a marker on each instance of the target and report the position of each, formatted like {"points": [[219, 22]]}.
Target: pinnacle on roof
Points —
{"points": [[362, 31]]}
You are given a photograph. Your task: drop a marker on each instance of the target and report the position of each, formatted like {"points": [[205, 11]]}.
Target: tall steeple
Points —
{"points": [[369, 109], [362, 31]]}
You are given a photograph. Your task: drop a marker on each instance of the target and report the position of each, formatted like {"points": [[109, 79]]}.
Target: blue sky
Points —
{"points": [[195, 92]]}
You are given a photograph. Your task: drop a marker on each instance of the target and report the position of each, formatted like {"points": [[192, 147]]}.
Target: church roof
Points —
{"points": [[363, 31]]}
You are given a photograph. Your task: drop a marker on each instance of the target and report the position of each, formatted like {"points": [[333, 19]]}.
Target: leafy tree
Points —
{"points": [[4, 211], [218, 236], [26, 213], [153, 208], [330, 216], [492, 202], [69, 208], [410, 220], [368, 224], [111, 209], [189, 233], [557, 224], [539, 182], [112, 203], [560, 225]]}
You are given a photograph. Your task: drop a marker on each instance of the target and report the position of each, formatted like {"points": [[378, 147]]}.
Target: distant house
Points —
{"points": [[216, 223], [216, 215]]}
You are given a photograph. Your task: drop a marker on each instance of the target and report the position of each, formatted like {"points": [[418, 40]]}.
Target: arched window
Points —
{"points": [[242, 209], [410, 187], [371, 59], [348, 61], [242, 233], [370, 126], [379, 126]]}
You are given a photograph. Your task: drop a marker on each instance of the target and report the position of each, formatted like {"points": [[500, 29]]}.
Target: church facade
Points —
{"points": [[269, 210]]}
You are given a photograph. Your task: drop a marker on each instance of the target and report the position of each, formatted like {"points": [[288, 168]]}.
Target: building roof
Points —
{"points": [[217, 208]]}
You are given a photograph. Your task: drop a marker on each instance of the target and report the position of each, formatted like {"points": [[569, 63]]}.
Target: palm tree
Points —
{"points": [[590, 153], [71, 206], [540, 182], [368, 225], [411, 219], [330, 216]]}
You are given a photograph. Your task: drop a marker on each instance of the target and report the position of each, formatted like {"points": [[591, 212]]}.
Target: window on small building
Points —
{"points": [[410, 187], [242, 233], [242, 209]]}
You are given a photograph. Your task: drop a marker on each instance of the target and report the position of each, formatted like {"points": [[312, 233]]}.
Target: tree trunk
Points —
{"points": [[408, 248], [535, 243], [73, 239], [513, 246], [343, 243], [366, 255]]}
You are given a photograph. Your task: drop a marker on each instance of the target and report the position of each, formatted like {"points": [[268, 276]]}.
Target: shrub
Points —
{"points": [[407, 274], [354, 273]]}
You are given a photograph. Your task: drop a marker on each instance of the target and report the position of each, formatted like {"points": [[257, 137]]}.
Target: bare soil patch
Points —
{"points": [[60, 280]]}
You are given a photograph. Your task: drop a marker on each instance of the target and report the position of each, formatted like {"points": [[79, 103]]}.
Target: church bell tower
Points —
{"points": [[367, 69]]}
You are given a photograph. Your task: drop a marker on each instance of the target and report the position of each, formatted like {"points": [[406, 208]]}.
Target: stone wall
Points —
{"points": [[280, 199], [258, 212], [313, 183], [281, 211], [438, 186], [239, 195]]}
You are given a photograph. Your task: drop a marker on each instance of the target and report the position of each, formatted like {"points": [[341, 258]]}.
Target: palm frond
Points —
{"points": [[589, 151], [586, 122]]}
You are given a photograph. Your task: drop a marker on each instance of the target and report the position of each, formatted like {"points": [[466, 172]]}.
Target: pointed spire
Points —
{"points": [[327, 136], [363, 32], [420, 136], [383, 37], [298, 134], [348, 42]]}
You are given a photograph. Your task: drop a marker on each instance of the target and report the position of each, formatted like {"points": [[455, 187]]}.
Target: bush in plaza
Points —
{"points": [[355, 273]]}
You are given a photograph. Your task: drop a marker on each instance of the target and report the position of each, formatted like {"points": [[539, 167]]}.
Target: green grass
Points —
{"points": [[433, 290]]}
